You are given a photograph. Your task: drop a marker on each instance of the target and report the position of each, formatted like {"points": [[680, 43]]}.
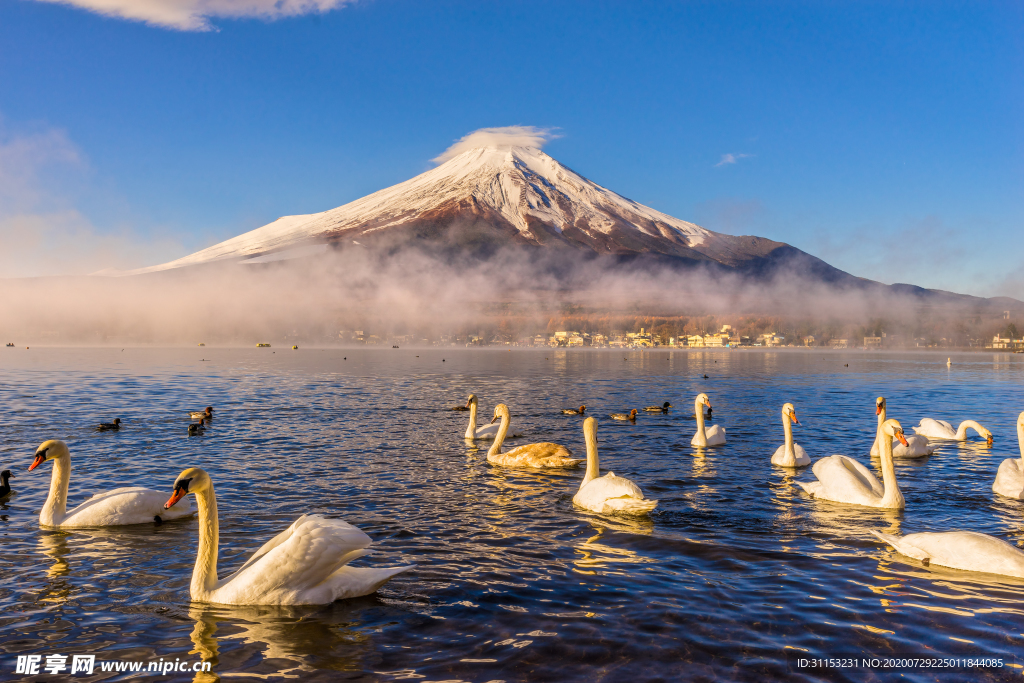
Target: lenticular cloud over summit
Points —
{"points": [[504, 137]]}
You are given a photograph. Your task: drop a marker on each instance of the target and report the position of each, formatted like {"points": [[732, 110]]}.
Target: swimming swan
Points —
{"points": [[130, 505], [1010, 477], [940, 429], [967, 550], [711, 436], [306, 564], [528, 455], [607, 494], [844, 480], [790, 454], [472, 431], [917, 446]]}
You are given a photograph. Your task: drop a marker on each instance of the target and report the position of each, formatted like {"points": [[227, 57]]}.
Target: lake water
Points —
{"points": [[736, 576]]}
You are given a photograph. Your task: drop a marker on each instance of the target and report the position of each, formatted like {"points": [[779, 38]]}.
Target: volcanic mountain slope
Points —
{"points": [[494, 197]]}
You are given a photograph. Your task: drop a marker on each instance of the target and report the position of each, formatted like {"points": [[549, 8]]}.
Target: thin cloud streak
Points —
{"points": [[728, 159], [195, 15]]}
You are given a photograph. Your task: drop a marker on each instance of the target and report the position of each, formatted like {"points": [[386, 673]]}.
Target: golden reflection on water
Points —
{"points": [[594, 555]]}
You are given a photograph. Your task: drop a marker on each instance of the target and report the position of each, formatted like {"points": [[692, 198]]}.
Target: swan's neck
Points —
{"points": [[1020, 442], [471, 429], [204, 576], [593, 468], [56, 506], [891, 495], [787, 426], [499, 438], [961, 432], [876, 447], [702, 437]]}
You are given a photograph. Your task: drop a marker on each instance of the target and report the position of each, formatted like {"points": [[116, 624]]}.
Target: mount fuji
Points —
{"points": [[498, 196]]}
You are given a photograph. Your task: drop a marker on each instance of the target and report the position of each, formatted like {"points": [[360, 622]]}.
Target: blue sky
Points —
{"points": [[884, 137]]}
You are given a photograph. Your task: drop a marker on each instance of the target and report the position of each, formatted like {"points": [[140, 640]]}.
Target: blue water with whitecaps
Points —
{"points": [[737, 575]]}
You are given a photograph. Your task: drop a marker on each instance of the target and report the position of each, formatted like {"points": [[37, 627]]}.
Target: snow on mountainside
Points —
{"points": [[492, 196]]}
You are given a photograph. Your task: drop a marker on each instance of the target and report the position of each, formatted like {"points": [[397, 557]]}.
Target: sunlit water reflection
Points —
{"points": [[734, 576]]}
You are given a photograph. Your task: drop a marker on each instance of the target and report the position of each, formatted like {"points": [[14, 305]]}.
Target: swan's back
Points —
{"points": [[124, 506], [937, 429], [1009, 479], [303, 565], [611, 493], [845, 480], [967, 550], [536, 455], [917, 447], [715, 435], [801, 458], [487, 431]]}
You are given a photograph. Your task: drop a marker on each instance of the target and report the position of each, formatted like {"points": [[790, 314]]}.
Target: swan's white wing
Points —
{"points": [[1009, 479], [801, 459], [967, 550], [715, 435], [935, 429], [292, 566], [611, 493], [845, 480], [487, 431], [917, 447], [123, 506]]}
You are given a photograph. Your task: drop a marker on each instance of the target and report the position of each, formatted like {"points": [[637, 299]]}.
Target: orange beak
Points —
{"points": [[903, 440], [989, 440], [792, 416], [39, 460], [175, 497], [493, 419], [878, 409]]}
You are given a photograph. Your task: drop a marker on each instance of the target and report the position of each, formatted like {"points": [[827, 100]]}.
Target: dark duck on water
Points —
{"points": [[109, 426]]}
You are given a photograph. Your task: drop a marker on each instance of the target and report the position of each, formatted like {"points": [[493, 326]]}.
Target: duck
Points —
{"points": [[706, 436], [940, 429], [459, 408], [574, 411], [663, 408], [199, 414], [842, 479], [109, 426], [608, 494], [117, 507], [306, 564], [5, 485], [916, 446], [967, 550], [630, 416], [488, 431], [790, 454], [197, 428], [1010, 477], [537, 455]]}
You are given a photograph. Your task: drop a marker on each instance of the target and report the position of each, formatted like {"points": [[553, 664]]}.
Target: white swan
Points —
{"points": [[472, 431], [844, 480], [917, 446], [130, 505], [790, 454], [306, 564], [1010, 477], [528, 455], [940, 429], [967, 550], [609, 493], [711, 436]]}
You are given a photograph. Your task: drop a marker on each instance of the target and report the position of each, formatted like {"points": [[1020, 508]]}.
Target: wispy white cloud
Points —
{"points": [[731, 159], [43, 177], [506, 136], [195, 15]]}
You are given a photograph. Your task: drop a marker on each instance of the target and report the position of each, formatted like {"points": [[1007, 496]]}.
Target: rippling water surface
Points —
{"points": [[736, 575]]}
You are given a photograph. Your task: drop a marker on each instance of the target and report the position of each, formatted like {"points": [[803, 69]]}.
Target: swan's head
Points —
{"points": [[879, 405], [192, 480], [894, 429], [590, 427], [470, 400], [500, 411], [788, 411], [703, 400], [986, 434], [1020, 421], [49, 450]]}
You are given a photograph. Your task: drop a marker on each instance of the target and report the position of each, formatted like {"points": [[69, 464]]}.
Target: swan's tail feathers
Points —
{"points": [[630, 506], [355, 582], [901, 547], [811, 487]]}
